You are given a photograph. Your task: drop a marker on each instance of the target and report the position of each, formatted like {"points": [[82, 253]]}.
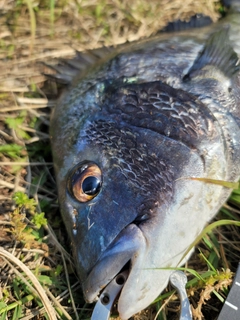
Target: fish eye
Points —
{"points": [[85, 181]]}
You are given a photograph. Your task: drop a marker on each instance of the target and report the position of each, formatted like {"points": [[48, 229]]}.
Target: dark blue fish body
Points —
{"points": [[127, 138]]}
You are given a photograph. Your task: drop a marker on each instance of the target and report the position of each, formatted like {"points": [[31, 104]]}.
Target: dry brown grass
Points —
{"points": [[26, 95]]}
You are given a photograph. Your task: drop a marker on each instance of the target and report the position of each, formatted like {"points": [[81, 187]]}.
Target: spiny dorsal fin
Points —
{"points": [[218, 52], [67, 69], [196, 21]]}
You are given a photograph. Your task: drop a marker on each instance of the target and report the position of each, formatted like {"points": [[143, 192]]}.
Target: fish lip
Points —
{"points": [[125, 248]]}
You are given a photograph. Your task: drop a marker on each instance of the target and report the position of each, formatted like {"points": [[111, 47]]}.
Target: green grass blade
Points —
{"points": [[208, 229], [33, 24], [223, 183]]}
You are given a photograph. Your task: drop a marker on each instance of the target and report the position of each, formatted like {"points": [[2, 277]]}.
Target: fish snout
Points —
{"points": [[129, 246]]}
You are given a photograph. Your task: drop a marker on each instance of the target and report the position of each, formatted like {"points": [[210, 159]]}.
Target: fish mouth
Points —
{"points": [[126, 252]]}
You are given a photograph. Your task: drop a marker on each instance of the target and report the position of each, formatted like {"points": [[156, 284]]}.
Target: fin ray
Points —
{"points": [[218, 52]]}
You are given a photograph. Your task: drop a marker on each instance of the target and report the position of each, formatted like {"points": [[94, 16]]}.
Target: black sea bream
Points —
{"points": [[128, 136]]}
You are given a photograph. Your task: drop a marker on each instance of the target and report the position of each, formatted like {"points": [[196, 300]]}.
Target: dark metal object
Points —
{"points": [[231, 307]]}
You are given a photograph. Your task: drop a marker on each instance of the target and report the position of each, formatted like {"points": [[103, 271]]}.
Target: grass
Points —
{"points": [[38, 279]]}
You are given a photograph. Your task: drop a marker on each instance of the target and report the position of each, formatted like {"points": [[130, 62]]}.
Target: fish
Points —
{"points": [[133, 138]]}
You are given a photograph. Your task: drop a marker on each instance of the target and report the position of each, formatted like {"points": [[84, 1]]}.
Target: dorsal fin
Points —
{"points": [[67, 69], [218, 52], [196, 21]]}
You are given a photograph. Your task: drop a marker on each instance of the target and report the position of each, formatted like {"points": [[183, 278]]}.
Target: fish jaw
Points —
{"points": [[130, 245]]}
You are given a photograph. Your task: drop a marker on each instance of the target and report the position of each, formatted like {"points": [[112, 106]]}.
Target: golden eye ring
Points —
{"points": [[85, 181]]}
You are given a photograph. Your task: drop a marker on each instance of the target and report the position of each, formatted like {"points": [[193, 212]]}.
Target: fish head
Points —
{"points": [[106, 191], [125, 206]]}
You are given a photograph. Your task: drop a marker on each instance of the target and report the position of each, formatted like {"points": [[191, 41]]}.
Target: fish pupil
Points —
{"points": [[91, 185]]}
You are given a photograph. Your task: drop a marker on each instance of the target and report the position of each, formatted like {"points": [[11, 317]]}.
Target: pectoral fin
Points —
{"points": [[218, 53]]}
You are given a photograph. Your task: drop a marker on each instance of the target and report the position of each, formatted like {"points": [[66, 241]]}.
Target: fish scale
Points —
{"points": [[185, 116], [135, 129], [123, 159]]}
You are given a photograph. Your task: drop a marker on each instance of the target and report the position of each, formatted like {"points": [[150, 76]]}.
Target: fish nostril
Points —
{"points": [[120, 280], [105, 299]]}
